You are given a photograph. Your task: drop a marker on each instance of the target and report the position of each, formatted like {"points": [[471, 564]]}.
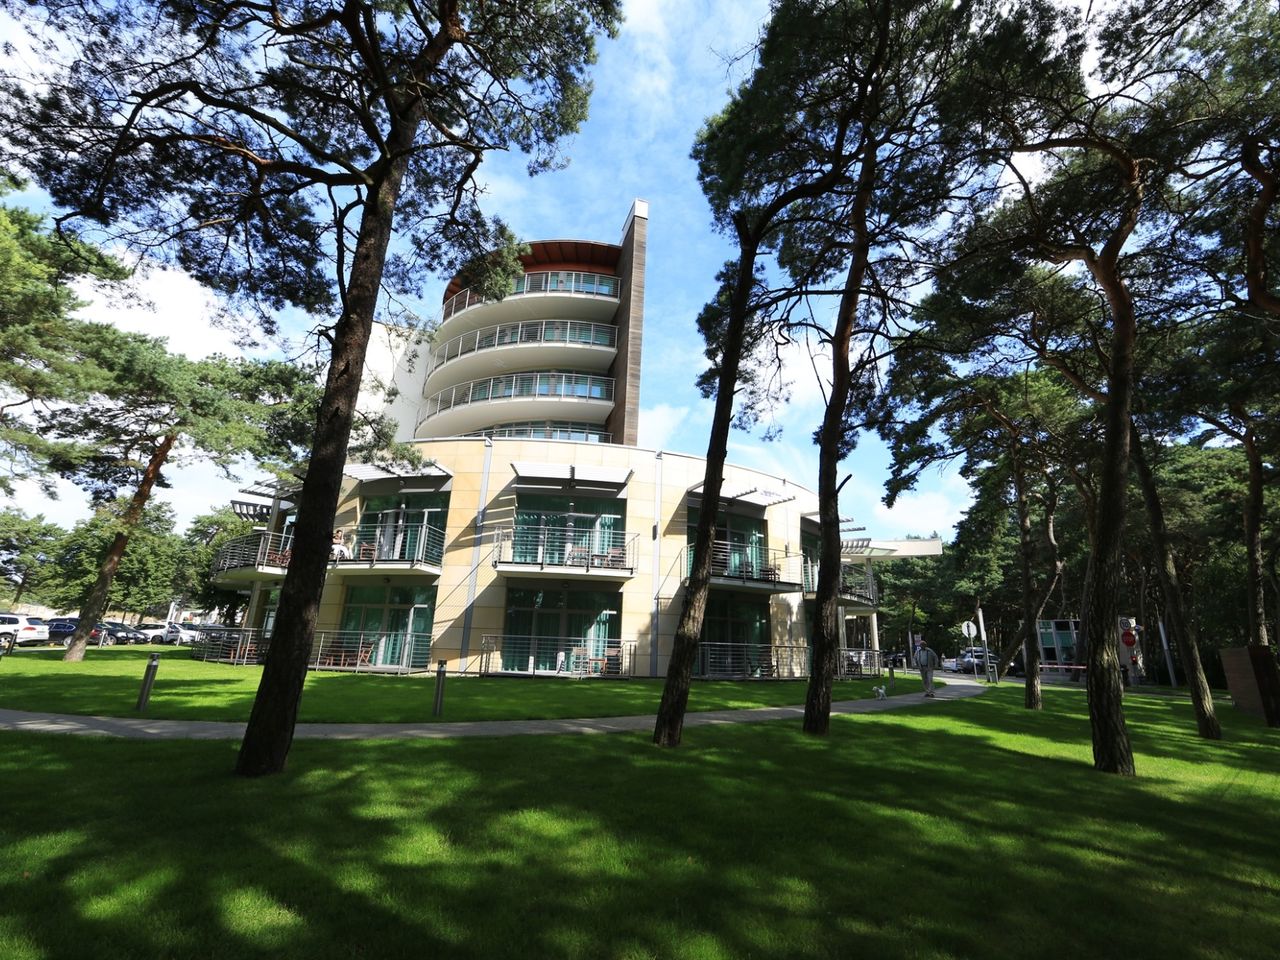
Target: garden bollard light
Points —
{"points": [[148, 678], [438, 707]]}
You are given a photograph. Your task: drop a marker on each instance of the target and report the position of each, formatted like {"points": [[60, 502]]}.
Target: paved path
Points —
{"points": [[141, 729]]}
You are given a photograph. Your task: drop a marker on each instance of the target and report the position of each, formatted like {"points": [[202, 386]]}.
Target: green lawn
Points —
{"points": [[107, 684], [957, 830]]}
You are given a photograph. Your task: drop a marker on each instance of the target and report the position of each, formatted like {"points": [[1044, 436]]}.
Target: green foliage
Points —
{"points": [[257, 134], [26, 546], [145, 579], [205, 537], [47, 357]]}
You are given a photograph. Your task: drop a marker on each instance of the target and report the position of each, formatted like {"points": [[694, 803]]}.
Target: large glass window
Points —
{"points": [[739, 549], [561, 620], [811, 551], [567, 530], [735, 633], [397, 620], [402, 527]]}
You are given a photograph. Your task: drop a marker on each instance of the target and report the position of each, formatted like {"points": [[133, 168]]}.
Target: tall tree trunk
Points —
{"points": [[1112, 752], [269, 735], [95, 605], [1253, 508], [825, 639], [669, 723], [1032, 698], [1175, 607]]}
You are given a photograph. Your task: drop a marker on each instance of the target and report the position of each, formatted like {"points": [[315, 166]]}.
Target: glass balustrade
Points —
{"points": [[569, 386], [567, 332], [542, 282]]}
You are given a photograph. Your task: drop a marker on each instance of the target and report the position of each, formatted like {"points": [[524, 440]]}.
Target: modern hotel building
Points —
{"points": [[537, 537]]}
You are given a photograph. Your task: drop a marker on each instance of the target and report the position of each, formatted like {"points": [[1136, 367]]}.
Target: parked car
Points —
{"points": [[20, 629], [123, 633], [181, 633], [60, 631], [897, 660], [154, 632]]}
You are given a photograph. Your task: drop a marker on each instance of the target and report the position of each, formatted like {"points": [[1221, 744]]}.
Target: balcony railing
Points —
{"points": [[748, 562], [556, 656], [571, 332], [391, 542], [254, 550], [856, 583], [351, 651], [569, 386], [543, 282], [415, 543], [582, 547]]}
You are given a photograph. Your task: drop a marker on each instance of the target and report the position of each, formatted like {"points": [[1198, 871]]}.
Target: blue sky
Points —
{"points": [[670, 68]]}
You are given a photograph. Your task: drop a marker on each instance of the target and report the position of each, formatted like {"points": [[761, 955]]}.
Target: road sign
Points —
{"points": [[1128, 639], [969, 629]]}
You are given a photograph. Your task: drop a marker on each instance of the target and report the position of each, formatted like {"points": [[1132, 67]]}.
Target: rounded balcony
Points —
{"points": [[567, 294], [530, 345], [473, 406]]}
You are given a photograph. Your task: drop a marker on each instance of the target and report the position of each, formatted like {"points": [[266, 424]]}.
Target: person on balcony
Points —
{"points": [[340, 550]]}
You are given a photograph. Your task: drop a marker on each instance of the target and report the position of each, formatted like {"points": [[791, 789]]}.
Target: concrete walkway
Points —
{"points": [[141, 729]]}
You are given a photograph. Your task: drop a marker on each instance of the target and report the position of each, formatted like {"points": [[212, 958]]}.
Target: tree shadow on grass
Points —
{"points": [[976, 829]]}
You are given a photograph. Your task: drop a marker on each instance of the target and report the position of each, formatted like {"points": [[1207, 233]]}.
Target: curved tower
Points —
{"points": [[557, 358]]}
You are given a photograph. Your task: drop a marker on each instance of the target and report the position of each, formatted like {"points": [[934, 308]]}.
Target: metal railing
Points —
{"points": [[556, 656], [367, 543], [544, 282], [748, 562], [565, 386], [764, 661], [580, 547], [369, 651], [254, 550], [751, 661], [547, 430], [858, 662], [569, 332], [856, 583], [391, 542]]}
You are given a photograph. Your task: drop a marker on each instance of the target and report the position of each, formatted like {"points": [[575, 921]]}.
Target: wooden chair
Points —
{"points": [[366, 551], [280, 558]]}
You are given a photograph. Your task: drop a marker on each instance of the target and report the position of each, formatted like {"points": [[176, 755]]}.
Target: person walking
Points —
{"points": [[928, 662]]}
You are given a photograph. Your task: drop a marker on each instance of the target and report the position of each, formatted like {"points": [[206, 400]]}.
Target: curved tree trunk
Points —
{"points": [[95, 605], [269, 735], [1174, 605], [669, 723]]}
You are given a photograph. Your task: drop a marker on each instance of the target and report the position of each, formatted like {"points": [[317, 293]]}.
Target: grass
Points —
{"points": [[966, 829], [106, 683]]}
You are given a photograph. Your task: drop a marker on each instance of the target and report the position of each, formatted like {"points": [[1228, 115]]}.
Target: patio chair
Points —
{"points": [[366, 551], [279, 558]]}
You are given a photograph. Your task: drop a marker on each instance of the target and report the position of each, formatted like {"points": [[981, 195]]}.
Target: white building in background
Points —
{"points": [[539, 537]]}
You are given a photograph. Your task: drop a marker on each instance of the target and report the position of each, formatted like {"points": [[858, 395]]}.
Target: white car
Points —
{"points": [[22, 630], [180, 633], [154, 632]]}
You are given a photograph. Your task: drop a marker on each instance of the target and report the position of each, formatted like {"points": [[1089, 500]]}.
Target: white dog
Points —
{"points": [[879, 692]]}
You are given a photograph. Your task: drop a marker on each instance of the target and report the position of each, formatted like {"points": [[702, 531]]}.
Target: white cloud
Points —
{"points": [[935, 509]]}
